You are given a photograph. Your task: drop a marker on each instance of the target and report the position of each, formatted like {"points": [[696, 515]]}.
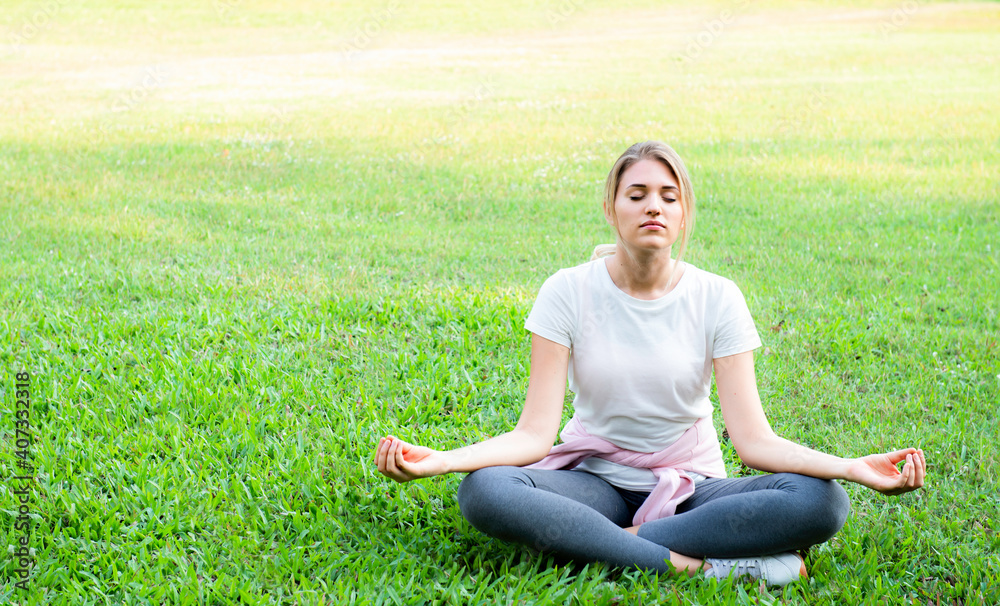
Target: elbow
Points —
{"points": [[534, 446], [757, 464], [758, 451], [538, 451]]}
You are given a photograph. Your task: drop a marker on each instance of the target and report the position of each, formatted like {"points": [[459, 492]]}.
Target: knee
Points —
{"points": [[482, 491], [471, 488], [828, 506]]}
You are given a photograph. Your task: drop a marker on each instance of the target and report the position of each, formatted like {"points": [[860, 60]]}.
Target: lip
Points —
{"points": [[652, 225]]}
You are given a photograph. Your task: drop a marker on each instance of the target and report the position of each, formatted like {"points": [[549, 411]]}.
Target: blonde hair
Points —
{"points": [[650, 150]]}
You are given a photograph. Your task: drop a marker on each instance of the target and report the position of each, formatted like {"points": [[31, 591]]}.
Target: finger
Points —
{"points": [[378, 449], [899, 482], [401, 463], [911, 477], [385, 457], [383, 447], [386, 461], [910, 472], [390, 456], [386, 448], [921, 469], [918, 472], [902, 478], [395, 461], [404, 447]]}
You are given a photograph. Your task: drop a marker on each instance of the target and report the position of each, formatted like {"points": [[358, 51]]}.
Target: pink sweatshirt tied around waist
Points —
{"points": [[696, 450]]}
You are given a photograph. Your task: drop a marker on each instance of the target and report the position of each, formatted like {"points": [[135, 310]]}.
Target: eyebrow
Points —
{"points": [[643, 186]]}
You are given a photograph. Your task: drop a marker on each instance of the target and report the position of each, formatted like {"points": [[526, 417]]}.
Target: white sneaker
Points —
{"points": [[777, 570]]}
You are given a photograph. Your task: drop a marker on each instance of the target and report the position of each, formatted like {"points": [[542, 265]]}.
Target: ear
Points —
{"points": [[607, 215]]}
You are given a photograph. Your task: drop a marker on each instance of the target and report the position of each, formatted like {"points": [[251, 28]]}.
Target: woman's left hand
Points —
{"points": [[880, 472]]}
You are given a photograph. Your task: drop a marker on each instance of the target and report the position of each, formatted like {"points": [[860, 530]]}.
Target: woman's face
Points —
{"points": [[648, 207]]}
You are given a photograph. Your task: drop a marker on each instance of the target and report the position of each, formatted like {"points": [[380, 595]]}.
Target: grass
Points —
{"points": [[240, 244]]}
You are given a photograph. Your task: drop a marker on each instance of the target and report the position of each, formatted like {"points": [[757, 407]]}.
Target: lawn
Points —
{"points": [[243, 241]]}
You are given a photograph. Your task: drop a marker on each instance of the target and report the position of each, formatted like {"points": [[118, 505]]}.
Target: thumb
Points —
{"points": [[404, 448], [900, 455]]}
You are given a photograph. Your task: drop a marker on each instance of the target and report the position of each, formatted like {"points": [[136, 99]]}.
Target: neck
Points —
{"points": [[643, 276]]}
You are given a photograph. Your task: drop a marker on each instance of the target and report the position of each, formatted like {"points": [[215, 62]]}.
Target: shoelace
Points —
{"points": [[742, 567], [750, 567]]}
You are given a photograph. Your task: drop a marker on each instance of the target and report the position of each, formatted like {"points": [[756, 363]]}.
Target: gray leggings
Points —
{"points": [[578, 515]]}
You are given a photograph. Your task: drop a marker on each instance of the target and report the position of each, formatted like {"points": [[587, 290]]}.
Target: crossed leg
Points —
{"points": [[752, 516], [580, 516]]}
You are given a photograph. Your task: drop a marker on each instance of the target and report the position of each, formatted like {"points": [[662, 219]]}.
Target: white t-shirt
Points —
{"points": [[641, 370]]}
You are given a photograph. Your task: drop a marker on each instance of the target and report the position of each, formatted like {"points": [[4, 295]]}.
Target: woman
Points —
{"points": [[639, 479]]}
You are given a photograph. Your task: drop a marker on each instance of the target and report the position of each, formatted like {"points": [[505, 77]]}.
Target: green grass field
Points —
{"points": [[240, 243]]}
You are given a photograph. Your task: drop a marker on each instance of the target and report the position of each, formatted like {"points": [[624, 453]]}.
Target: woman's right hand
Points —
{"points": [[403, 462]]}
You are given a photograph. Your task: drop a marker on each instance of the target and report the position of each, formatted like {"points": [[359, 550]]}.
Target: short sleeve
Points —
{"points": [[735, 331], [553, 316]]}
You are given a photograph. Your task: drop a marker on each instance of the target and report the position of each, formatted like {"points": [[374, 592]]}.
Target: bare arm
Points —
{"points": [[529, 441], [760, 448]]}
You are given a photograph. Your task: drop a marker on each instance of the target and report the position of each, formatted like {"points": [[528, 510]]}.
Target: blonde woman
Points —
{"points": [[638, 480]]}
